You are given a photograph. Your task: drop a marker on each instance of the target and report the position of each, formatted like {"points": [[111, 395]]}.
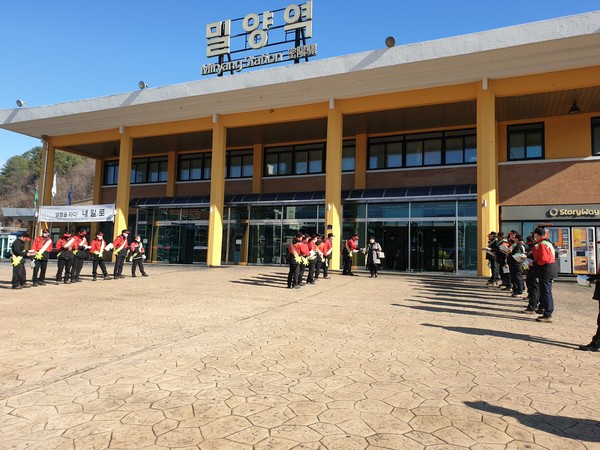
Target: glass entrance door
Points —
{"points": [[432, 246], [264, 244]]}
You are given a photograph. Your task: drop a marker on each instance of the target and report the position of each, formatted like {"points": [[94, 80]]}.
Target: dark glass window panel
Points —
{"points": [[315, 163], [285, 164], [414, 153], [207, 168], [376, 156], [454, 150], [471, 149], [596, 136], [348, 157], [534, 145], [301, 162], [271, 164], [393, 155], [432, 155], [516, 145]]}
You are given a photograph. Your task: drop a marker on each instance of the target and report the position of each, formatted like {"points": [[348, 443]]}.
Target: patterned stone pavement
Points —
{"points": [[230, 359]]}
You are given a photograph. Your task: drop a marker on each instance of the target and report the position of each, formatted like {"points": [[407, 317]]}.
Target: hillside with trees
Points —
{"points": [[21, 174]]}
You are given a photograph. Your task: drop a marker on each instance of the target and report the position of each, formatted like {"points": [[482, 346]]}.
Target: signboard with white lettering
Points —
{"points": [[80, 213], [257, 31]]}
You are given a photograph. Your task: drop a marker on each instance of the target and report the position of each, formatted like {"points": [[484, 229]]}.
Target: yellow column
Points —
{"points": [[96, 195], [171, 174], [46, 178], [122, 202], [48, 161], [487, 174], [217, 195], [360, 170], [257, 170], [333, 180]]}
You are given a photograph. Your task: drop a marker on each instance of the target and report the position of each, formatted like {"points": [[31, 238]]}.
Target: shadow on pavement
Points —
{"points": [[482, 312], [504, 334], [570, 427], [274, 280]]}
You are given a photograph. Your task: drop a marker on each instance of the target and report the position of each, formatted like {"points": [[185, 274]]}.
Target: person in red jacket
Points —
{"points": [[303, 251], [327, 251], [42, 246], [79, 255], [294, 261], [137, 254], [97, 248], [544, 265], [350, 248], [120, 246], [66, 245]]}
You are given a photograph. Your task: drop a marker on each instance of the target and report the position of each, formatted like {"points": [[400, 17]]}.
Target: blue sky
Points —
{"points": [[65, 50]]}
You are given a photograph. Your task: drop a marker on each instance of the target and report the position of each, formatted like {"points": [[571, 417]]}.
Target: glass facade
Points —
{"points": [[416, 236]]}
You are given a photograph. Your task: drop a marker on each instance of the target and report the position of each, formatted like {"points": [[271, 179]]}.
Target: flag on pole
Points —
{"points": [[70, 195], [54, 186], [35, 198]]}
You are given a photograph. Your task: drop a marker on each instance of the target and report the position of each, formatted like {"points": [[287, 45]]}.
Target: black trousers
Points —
{"points": [[318, 266], [325, 266], [95, 264], [119, 262], [77, 265], [596, 338], [312, 263], [64, 263], [347, 262], [372, 268], [294, 273], [138, 262], [494, 268], [19, 276], [533, 290], [516, 278], [39, 271]]}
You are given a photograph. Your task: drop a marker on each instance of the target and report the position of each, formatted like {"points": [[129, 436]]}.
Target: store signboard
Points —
{"points": [[79, 213], [229, 40], [551, 212]]}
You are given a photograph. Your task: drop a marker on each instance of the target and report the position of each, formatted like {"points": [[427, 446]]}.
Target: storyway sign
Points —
{"points": [[80, 213]]}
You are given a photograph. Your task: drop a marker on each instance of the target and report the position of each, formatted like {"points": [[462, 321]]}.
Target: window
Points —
{"points": [[525, 141], [111, 173], [149, 170], [596, 136], [295, 160], [349, 156], [194, 167], [239, 164], [143, 170], [423, 149]]}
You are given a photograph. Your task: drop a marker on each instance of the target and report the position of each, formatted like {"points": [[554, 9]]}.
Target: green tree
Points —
{"points": [[63, 162]]}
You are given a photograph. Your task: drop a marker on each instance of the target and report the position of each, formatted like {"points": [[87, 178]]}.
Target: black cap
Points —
{"points": [[329, 235], [541, 231], [25, 234]]}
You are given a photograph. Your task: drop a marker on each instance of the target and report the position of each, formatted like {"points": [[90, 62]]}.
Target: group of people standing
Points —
{"points": [[312, 254], [73, 251], [509, 256]]}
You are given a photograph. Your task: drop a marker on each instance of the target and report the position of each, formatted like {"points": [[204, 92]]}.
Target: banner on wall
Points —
{"points": [[79, 213]]}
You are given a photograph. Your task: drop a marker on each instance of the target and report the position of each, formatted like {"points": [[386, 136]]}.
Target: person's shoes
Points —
{"points": [[506, 288], [312, 282], [94, 279], [375, 275], [68, 282], [42, 283], [297, 286], [121, 276], [34, 285], [545, 319], [106, 277], [17, 287], [145, 275], [372, 276], [134, 275], [352, 274], [539, 311], [528, 311], [591, 347]]}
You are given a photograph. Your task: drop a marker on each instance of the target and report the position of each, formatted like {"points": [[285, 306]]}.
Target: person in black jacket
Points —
{"points": [[594, 346], [18, 258], [515, 264], [491, 252]]}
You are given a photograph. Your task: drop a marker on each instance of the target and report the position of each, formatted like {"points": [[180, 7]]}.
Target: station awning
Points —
{"points": [[406, 194]]}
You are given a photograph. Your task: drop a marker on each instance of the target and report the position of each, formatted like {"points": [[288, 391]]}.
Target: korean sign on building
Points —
{"points": [[82, 213], [276, 29]]}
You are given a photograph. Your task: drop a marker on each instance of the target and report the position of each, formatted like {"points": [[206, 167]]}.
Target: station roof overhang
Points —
{"points": [[555, 45]]}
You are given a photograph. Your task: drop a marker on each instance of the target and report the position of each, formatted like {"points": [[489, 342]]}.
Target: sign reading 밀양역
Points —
{"points": [[81, 213], [227, 39]]}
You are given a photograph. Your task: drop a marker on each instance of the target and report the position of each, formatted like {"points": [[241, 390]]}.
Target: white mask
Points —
{"points": [[138, 240], [99, 237], [372, 241]]}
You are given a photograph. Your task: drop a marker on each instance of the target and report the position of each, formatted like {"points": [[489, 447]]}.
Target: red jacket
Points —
{"points": [[38, 244], [543, 253], [119, 242], [96, 246], [351, 243], [304, 250], [72, 241]]}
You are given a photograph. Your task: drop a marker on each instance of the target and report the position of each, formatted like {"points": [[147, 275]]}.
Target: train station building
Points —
{"points": [[427, 146]]}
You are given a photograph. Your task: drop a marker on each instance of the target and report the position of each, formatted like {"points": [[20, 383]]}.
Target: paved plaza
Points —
{"points": [[228, 358]]}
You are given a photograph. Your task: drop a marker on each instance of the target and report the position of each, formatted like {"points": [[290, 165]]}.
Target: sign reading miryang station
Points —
{"points": [[228, 39]]}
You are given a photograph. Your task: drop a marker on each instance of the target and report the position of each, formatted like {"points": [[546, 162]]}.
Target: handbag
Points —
{"points": [[380, 254]]}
